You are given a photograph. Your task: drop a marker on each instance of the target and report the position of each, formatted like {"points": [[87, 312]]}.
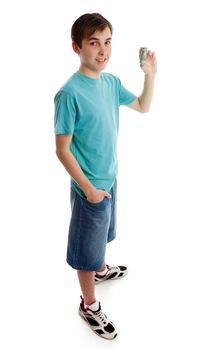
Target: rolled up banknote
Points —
{"points": [[142, 54]]}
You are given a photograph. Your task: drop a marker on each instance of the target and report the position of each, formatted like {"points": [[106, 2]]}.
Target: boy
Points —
{"points": [[86, 128]]}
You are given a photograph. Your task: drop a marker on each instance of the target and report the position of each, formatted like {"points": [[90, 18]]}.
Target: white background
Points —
{"points": [[162, 180]]}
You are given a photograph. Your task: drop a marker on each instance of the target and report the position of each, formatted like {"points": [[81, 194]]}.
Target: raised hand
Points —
{"points": [[150, 65]]}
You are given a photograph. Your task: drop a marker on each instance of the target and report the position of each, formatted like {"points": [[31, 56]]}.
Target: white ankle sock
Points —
{"points": [[93, 307], [102, 273]]}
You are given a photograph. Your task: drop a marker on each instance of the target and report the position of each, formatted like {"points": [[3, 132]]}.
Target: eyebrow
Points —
{"points": [[94, 38]]}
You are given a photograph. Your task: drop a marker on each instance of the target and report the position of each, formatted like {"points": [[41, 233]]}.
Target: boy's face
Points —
{"points": [[95, 52]]}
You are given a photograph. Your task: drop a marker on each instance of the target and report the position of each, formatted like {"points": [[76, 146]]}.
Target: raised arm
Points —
{"points": [[143, 102]]}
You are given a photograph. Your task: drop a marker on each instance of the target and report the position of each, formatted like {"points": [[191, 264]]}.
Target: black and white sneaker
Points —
{"points": [[97, 321], [113, 272]]}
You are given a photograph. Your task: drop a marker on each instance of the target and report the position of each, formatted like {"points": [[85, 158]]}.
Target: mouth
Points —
{"points": [[101, 60]]}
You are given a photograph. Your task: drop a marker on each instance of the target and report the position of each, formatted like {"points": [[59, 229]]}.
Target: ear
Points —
{"points": [[75, 47]]}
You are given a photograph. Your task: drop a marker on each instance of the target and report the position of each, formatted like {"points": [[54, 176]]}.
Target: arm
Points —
{"points": [[66, 157], [143, 102], [70, 163]]}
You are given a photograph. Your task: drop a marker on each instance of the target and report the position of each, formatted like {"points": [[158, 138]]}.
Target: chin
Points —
{"points": [[98, 69]]}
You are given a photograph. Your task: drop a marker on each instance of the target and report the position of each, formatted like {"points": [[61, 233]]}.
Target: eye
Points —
{"points": [[108, 42], [94, 43]]}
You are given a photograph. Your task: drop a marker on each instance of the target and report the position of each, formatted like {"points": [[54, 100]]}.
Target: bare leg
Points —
{"points": [[87, 284]]}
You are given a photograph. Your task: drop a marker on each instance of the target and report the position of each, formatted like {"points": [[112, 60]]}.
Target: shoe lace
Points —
{"points": [[101, 316]]}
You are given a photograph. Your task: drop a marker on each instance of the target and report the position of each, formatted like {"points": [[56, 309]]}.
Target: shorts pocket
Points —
{"points": [[94, 204]]}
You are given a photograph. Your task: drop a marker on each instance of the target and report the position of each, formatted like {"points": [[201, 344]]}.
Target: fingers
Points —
{"points": [[151, 53], [108, 195], [105, 193]]}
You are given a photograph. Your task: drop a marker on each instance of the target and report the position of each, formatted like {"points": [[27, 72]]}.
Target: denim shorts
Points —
{"points": [[92, 226]]}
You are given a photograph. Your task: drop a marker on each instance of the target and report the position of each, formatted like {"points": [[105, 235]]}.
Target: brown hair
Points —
{"points": [[86, 25]]}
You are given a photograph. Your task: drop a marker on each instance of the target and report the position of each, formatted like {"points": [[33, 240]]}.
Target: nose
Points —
{"points": [[102, 50]]}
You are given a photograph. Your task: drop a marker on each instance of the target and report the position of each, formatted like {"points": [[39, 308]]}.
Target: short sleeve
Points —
{"points": [[125, 96], [65, 113]]}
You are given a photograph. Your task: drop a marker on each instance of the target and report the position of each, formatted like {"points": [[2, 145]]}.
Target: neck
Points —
{"points": [[90, 73]]}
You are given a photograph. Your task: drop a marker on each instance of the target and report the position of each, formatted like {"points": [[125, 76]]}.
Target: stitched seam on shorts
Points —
{"points": [[78, 232]]}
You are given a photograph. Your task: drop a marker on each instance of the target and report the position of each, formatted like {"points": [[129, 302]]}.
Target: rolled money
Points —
{"points": [[142, 54]]}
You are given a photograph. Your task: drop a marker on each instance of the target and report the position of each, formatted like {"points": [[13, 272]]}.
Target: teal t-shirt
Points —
{"points": [[88, 108]]}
